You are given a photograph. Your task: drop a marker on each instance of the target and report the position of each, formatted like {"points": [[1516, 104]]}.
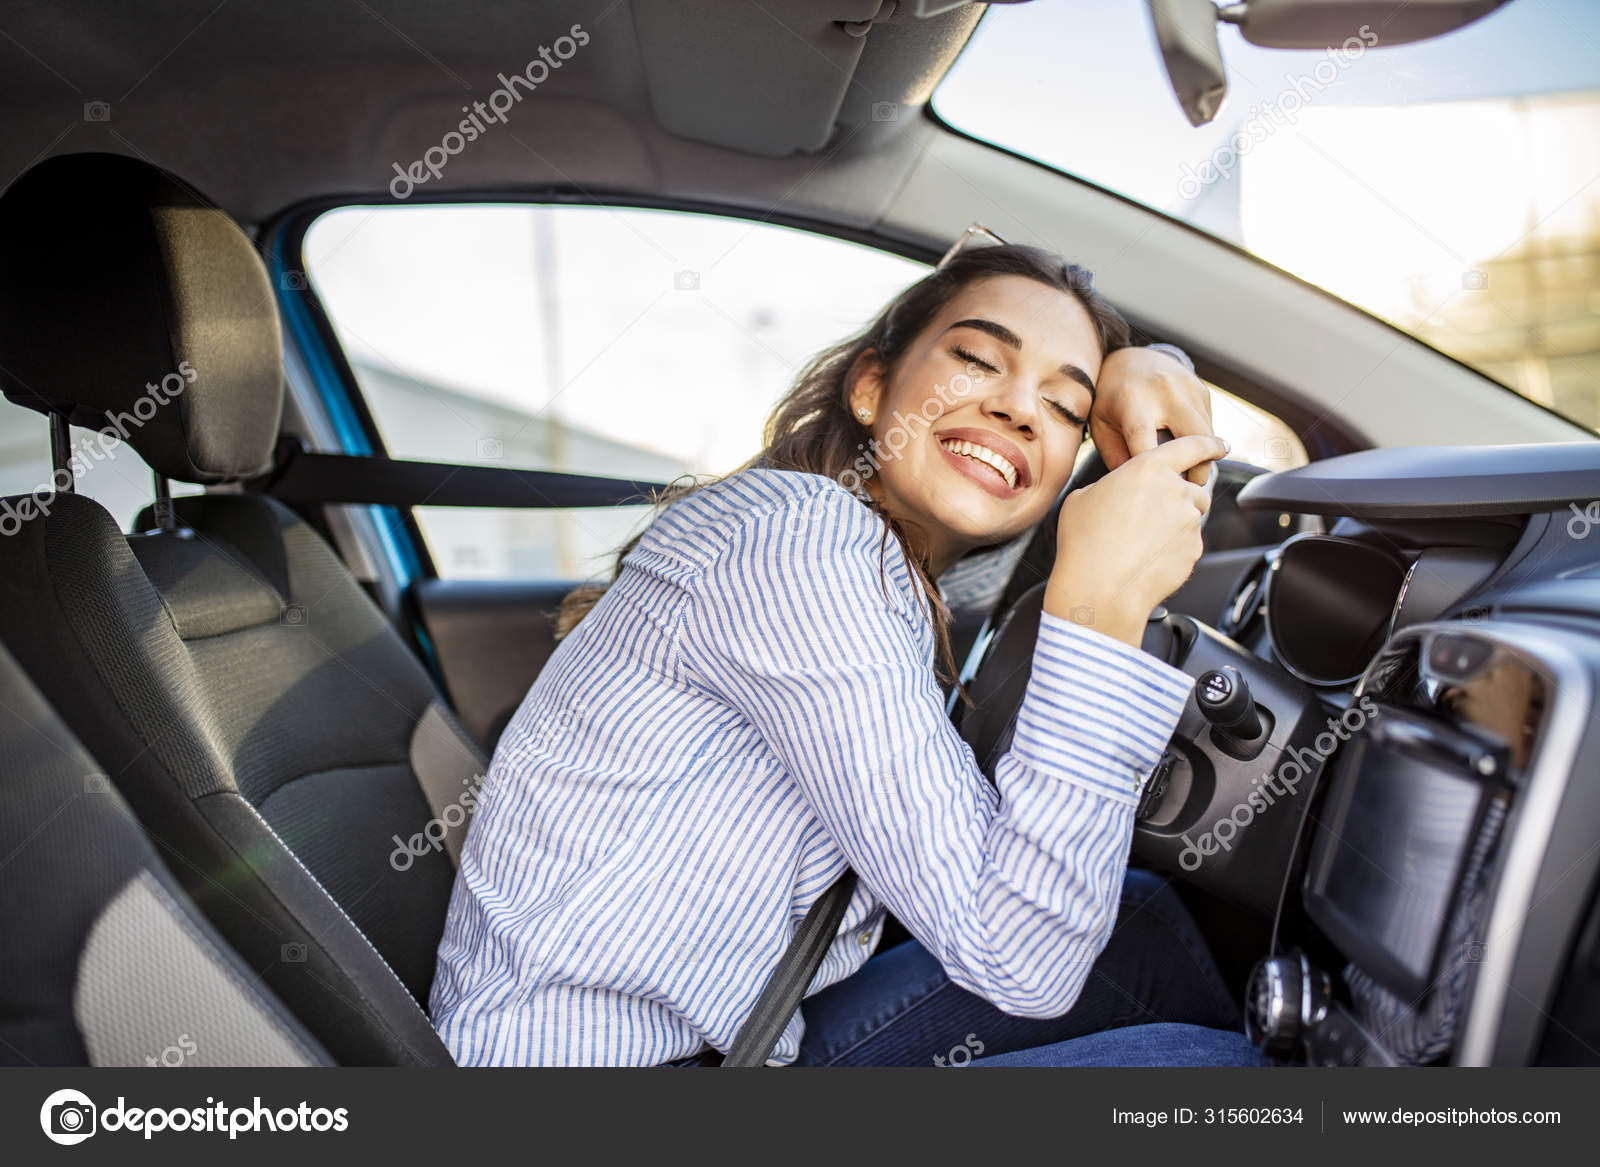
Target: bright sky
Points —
{"points": [[1032, 68], [1362, 174]]}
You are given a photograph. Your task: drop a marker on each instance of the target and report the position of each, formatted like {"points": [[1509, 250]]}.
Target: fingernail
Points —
{"points": [[1227, 446]]}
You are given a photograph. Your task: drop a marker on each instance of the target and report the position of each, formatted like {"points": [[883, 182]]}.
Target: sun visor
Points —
{"points": [[772, 78]]}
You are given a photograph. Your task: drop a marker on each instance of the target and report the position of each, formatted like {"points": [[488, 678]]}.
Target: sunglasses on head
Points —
{"points": [[976, 235]]}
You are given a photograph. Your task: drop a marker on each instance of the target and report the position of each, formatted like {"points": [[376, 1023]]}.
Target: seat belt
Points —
{"points": [[796, 969], [300, 476]]}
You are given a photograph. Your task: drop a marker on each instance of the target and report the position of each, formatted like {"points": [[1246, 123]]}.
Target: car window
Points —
{"points": [[1255, 435], [1447, 186], [620, 342], [106, 469]]}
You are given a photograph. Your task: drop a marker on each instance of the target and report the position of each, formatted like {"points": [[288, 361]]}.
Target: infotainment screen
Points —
{"points": [[1392, 839]]}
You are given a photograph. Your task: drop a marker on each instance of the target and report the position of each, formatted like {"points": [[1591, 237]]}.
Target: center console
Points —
{"points": [[1443, 859]]}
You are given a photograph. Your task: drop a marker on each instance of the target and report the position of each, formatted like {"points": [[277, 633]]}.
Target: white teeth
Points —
{"points": [[984, 455]]}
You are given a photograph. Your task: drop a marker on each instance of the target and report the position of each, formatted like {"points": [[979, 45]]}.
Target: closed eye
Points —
{"points": [[973, 359], [1066, 414], [1071, 418]]}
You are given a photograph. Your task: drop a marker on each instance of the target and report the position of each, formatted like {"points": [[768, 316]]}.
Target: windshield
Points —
{"points": [[1451, 187]]}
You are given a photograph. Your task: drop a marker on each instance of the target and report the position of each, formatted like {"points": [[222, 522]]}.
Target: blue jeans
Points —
{"points": [[1141, 1045], [901, 1009]]}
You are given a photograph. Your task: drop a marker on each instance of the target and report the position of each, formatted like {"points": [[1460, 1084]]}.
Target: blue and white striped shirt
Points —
{"points": [[750, 708]]}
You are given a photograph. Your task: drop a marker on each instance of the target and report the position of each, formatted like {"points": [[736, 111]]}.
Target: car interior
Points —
{"points": [[244, 718]]}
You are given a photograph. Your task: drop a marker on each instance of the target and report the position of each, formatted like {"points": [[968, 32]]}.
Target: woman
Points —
{"points": [[754, 704]]}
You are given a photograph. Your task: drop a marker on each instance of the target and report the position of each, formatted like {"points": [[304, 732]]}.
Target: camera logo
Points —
{"points": [[67, 1117]]}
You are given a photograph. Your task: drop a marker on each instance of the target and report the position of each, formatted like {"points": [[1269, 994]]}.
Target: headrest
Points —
{"points": [[129, 302]]}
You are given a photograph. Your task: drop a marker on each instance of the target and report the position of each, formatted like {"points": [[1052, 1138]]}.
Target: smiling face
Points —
{"points": [[1004, 375]]}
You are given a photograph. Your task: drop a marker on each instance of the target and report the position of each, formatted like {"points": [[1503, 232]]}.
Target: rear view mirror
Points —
{"points": [[1327, 24], [1186, 32]]}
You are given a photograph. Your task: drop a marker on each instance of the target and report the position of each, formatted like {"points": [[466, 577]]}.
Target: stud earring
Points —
{"points": [[864, 413]]}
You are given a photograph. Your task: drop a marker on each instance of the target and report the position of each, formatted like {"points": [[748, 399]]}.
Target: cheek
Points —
{"points": [[910, 412], [920, 391], [1063, 459]]}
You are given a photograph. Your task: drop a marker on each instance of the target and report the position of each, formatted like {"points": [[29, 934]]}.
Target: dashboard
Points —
{"points": [[1451, 613], [1391, 753], [1322, 605]]}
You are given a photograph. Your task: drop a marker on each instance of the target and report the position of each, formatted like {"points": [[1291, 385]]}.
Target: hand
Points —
{"points": [[1128, 541], [1139, 392]]}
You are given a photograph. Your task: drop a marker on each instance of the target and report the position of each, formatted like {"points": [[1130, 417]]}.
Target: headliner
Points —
{"points": [[265, 104]]}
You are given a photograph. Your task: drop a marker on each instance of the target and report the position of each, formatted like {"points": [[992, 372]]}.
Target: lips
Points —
{"points": [[989, 459]]}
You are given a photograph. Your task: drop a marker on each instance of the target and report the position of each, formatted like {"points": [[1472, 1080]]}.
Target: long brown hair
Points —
{"points": [[813, 430]]}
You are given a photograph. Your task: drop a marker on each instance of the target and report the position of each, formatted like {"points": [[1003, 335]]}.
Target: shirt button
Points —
{"points": [[866, 938]]}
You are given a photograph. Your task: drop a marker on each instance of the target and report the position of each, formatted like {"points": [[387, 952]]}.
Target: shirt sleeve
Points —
{"points": [[809, 624], [1174, 352]]}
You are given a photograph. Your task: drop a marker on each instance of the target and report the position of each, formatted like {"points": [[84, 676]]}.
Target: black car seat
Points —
{"points": [[264, 720], [105, 961]]}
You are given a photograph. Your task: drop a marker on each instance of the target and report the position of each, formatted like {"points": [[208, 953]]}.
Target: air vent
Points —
{"points": [[1241, 619]]}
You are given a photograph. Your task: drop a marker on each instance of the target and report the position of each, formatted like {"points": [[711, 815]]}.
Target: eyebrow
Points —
{"points": [[1006, 337]]}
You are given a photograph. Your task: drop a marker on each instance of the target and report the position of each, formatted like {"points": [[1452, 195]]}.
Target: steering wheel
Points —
{"points": [[1214, 770]]}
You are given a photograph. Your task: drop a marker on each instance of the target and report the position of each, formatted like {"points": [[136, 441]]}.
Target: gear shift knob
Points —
{"points": [[1224, 699]]}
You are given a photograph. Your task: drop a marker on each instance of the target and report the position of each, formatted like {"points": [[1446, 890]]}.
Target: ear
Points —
{"points": [[865, 379]]}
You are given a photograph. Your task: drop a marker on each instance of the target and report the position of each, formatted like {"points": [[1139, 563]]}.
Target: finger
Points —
{"points": [[1199, 398], [1139, 434], [1185, 420], [1111, 446], [1181, 396], [1193, 450], [1199, 495]]}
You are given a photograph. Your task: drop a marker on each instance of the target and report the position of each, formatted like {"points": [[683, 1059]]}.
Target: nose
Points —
{"points": [[1013, 402]]}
